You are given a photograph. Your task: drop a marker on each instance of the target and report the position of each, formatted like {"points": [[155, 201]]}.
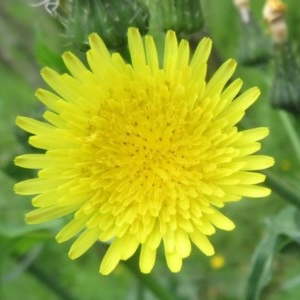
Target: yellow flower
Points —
{"points": [[217, 262], [140, 154]]}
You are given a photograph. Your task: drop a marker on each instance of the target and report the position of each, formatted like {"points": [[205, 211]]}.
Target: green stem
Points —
{"points": [[48, 281], [282, 188], [149, 281], [140, 291], [290, 129]]}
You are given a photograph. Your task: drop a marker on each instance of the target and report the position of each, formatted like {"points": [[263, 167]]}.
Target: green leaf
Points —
{"points": [[283, 231], [46, 55]]}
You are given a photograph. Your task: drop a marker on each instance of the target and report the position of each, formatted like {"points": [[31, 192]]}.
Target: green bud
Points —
{"points": [[109, 18], [183, 16], [254, 47], [63, 11], [285, 93]]}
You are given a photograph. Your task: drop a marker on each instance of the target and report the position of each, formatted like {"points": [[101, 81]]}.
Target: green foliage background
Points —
{"points": [[261, 254]]}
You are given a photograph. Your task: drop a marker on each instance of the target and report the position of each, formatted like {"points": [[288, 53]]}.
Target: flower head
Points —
{"points": [[140, 154]]}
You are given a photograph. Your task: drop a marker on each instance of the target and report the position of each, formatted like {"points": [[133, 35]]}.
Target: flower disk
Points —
{"points": [[142, 154]]}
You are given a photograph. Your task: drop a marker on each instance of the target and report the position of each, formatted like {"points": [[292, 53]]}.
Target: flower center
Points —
{"points": [[150, 151]]}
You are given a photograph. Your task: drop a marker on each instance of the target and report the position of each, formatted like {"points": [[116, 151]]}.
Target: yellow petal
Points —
{"points": [[42, 215], [129, 244], [151, 54], [136, 49], [182, 243], [33, 161], [220, 78], [46, 199], [170, 53], [252, 135], [64, 85], [76, 67], [183, 55], [257, 162], [34, 126], [220, 221], [241, 103], [206, 227], [36, 186], [49, 99], [228, 95], [111, 258], [202, 52], [147, 259], [98, 56], [250, 177], [174, 262], [253, 191], [86, 240], [169, 241], [202, 242], [72, 228]]}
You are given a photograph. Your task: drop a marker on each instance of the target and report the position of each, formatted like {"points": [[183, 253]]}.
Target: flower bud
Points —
{"points": [[285, 93], [274, 13], [109, 18], [254, 47], [183, 16]]}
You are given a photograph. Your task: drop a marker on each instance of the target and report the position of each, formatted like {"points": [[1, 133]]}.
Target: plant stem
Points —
{"points": [[49, 281], [290, 129], [149, 281], [282, 188]]}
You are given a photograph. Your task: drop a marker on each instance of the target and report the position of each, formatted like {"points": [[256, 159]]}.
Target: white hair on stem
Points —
{"points": [[50, 5]]}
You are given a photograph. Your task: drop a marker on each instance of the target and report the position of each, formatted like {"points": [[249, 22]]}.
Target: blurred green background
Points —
{"points": [[33, 266]]}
